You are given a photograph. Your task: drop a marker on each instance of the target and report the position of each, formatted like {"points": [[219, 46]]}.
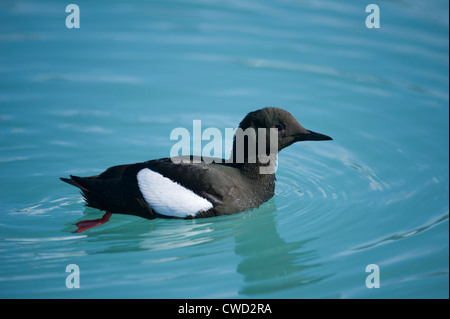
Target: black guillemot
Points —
{"points": [[185, 188]]}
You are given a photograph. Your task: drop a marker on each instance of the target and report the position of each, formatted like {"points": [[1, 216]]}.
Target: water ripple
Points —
{"points": [[320, 70], [402, 235], [123, 79]]}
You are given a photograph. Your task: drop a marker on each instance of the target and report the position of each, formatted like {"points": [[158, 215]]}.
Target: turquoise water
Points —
{"points": [[76, 101]]}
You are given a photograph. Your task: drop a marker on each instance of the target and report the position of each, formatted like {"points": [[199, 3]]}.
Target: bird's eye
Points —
{"points": [[280, 127]]}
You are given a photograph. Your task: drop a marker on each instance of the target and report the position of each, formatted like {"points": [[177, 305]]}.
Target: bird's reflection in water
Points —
{"points": [[269, 263]]}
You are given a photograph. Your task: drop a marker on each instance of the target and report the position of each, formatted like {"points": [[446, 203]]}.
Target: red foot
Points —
{"points": [[86, 224]]}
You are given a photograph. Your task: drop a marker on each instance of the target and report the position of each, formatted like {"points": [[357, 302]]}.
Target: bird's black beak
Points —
{"points": [[312, 136]]}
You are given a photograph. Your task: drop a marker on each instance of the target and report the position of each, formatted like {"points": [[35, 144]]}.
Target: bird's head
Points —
{"points": [[288, 129]]}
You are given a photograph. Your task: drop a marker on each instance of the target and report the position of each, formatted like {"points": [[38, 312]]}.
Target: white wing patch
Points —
{"points": [[169, 198]]}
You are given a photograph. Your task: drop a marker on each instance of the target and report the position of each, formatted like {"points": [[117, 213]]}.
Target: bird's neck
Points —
{"points": [[253, 165], [261, 174]]}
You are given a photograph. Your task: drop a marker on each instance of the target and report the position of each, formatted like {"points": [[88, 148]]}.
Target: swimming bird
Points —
{"points": [[183, 187]]}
